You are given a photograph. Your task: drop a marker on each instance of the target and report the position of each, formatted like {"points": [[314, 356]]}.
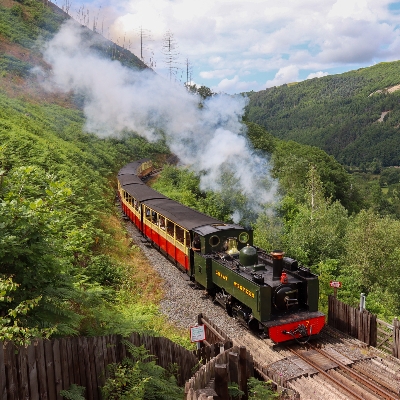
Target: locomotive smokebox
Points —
{"points": [[277, 264]]}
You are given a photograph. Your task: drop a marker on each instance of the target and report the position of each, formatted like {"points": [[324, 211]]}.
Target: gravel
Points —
{"points": [[183, 300]]}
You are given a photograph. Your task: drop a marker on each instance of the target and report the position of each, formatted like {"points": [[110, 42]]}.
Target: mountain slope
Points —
{"points": [[25, 26], [339, 113]]}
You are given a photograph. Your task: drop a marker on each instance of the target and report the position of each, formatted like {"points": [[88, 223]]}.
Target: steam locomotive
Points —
{"points": [[268, 292]]}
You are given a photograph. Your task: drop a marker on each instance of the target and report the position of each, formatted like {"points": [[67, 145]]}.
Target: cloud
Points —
{"points": [[234, 85], [318, 74], [261, 36], [284, 75], [219, 73]]}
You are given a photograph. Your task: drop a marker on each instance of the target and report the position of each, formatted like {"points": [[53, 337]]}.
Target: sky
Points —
{"points": [[234, 46]]}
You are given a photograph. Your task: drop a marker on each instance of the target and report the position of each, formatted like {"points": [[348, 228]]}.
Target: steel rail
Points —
{"points": [[358, 377], [330, 377]]}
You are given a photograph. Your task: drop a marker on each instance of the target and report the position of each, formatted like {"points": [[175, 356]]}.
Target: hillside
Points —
{"points": [[67, 266], [25, 26], [353, 116]]}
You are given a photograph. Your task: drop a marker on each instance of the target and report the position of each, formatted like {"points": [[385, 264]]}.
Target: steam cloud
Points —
{"points": [[211, 139]]}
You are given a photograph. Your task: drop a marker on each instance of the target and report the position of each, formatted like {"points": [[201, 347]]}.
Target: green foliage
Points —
{"points": [[54, 195], [13, 321], [24, 23], [202, 91], [291, 164], [234, 391], [75, 392], [317, 228], [103, 270], [139, 377], [268, 230], [370, 263], [14, 65], [337, 113], [328, 270], [260, 390], [182, 185], [260, 138]]}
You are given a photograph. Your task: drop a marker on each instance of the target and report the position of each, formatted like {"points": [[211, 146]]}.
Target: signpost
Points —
{"points": [[197, 334], [335, 285]]}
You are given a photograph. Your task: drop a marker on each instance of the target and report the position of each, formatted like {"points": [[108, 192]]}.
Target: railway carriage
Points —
{"points": [[267, 292]]}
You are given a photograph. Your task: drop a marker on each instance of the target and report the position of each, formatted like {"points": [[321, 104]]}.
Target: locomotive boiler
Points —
{"points": [[268, 292]]}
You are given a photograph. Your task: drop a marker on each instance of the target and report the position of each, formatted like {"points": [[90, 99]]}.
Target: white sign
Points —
{"points": [[197, 333], [335, 284]]}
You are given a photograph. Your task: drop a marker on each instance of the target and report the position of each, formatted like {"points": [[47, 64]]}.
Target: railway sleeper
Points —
{"points": [[361, 391], [368, 368]]}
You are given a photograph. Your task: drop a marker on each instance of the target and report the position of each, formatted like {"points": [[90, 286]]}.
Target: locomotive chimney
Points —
{"points": [[277, 264]]}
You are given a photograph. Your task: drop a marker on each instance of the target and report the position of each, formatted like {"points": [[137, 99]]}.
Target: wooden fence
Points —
{"points": [[359, 324], [212, 379], [40, 370], [216, 341]]}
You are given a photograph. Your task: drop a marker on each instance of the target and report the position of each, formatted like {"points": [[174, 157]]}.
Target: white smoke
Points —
{"points": [[210, 139]]}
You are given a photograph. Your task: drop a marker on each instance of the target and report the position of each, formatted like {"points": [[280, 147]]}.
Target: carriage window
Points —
{"points": [[135, 204], [170, 227], [187, 239], [180, 234], [161, 222], [154, 217], [148, 213]]}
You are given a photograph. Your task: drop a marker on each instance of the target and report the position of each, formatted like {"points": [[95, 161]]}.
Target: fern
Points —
{"points": [[234, 391], [139, 378], [74, 392], [260, 390]]}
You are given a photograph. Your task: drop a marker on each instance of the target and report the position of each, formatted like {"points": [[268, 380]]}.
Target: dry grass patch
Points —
{"points": [[143, 283]]}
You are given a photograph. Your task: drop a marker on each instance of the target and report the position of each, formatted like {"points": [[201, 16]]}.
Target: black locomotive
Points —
{"points": [[267, 291]]}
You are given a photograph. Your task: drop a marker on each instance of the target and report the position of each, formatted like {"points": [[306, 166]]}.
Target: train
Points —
{"points": [[269, 293]]}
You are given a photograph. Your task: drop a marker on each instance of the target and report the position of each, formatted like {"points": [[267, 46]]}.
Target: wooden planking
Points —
{"points": [[359, 324], [41, 367], [33, 374], [49, 363], [11, 371], [22, 371], [57, 368], [3, 388], [64, 363]]}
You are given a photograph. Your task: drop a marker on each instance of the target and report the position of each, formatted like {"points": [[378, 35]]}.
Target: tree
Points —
{"points": [[370, 262], [317, 228], [13, 325]]}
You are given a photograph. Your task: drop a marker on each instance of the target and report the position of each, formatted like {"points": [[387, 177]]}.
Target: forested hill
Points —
{"points": [[353, 116], [24, 26]]}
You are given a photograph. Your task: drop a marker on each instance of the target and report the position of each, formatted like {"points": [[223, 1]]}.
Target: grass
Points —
{"points": [[141, 292]]}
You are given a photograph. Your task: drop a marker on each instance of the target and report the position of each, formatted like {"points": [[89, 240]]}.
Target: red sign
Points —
{"points": [[335, 284]]}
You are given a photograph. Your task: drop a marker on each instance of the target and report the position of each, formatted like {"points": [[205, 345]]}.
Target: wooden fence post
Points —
{"points": [[234, 367], [243, 371], [396, 338], [3, 389], [221, 381]]}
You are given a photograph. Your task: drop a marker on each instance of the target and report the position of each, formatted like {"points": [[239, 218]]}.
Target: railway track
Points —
{"points": [[334, 366]]}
